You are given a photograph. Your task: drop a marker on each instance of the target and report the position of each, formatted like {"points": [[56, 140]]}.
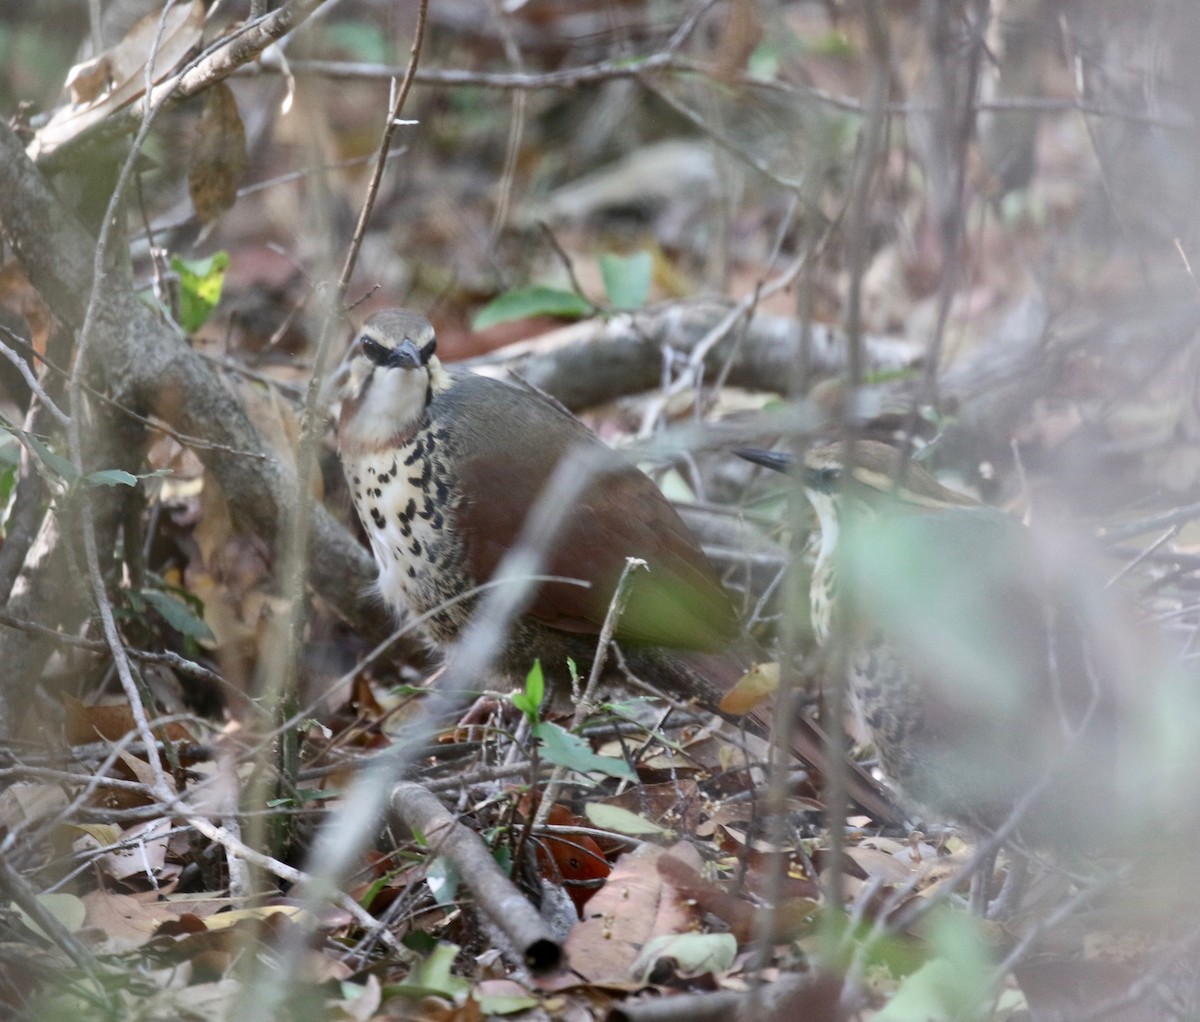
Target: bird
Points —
{"points": [[981, 658], [444, 465]]}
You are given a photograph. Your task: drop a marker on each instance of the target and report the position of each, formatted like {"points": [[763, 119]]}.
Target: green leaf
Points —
{"points": [[627, 279], [10, 450], [66, 908], [56, 463], [565, 749], [524, 302], [420, 941], [504, 1004], [432, 977], [529, 701], [304, 795], [8, 481], [111, 477], [178, 615], [693, 953], [619, 820], [442, 879], [953, 985], [364, 41], [200, 282]]}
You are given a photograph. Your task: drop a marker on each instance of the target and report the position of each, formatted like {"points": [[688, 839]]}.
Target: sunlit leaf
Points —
{"points": [[178, 614], [620, 821], [66, 908], [525, 302], [627, 278], [529, 701], [200, 282], [571, 751], [111, 477]]}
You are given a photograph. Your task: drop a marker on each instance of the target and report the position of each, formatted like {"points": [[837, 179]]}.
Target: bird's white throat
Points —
{"points": [[386, 403]]}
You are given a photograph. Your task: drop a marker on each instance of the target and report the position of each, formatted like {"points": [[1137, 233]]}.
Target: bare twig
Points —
{"points": [[494, 892]]}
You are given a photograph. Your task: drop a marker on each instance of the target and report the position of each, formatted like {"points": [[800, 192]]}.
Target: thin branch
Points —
{"points": [[385, 144], [215, 64], [671, 63]]}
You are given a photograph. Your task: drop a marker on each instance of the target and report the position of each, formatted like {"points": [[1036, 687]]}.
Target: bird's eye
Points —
{"points": [[822, 478], [373, 350]]}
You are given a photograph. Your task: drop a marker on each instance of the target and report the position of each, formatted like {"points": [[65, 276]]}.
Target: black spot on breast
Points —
{"points": [[377, 517], [426, 474], [371, 469], [412, 571], [418, 451], [416, 547], [410, 509], [443, 491], [377, 492], [426, 511], [357, 480], [436, 521]]}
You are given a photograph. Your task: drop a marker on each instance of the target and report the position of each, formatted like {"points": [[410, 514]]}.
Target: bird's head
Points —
{"points": [[393, 374], [880, 477]]}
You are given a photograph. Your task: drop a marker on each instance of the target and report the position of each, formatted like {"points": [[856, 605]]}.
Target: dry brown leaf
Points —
{"points": [[123, 67], [755, 687], [635, 905], [111, 722], [219, 155], [124, 921], [20, 296], [145, 851]]}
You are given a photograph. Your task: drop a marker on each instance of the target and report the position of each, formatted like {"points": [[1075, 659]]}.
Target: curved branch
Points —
{"points": [[149, 368]]}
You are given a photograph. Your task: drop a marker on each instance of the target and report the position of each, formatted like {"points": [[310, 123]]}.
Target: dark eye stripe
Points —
{"points": [[374, 351], [824, 479]]}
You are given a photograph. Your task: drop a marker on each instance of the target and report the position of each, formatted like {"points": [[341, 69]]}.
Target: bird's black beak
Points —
{"points": [[778, 461], [406, 355]]}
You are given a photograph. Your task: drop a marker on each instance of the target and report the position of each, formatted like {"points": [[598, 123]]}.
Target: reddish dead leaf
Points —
{"points": [[635, 905], [791, 917], [362, 699], [112, 722], [18, 295], [219, 154], [189, 922], [755, 688], [577, 862]]}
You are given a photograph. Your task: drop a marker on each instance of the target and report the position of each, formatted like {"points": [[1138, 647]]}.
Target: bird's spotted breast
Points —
{"points": [[405, 506]]}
